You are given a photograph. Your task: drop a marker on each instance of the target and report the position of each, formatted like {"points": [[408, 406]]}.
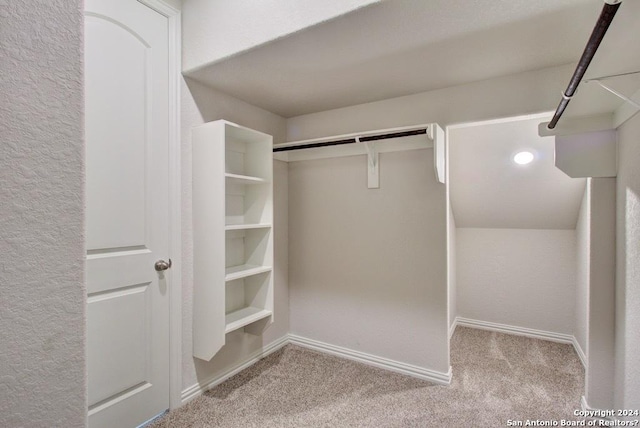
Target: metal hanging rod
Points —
{"points": [[364, 139], [606, 16]]}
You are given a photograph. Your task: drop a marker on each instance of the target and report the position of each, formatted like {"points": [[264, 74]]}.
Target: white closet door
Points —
{"points": [[127, 229]]}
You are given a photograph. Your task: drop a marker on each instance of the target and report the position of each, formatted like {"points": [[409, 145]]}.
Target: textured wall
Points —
{"points": [[519, 277], [627, 391], [367, 267], [213, 30], [42, 294], [583, 243], [201, 104]]}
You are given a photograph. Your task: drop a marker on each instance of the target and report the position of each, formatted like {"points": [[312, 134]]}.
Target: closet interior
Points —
{"points": [[341, 225]]}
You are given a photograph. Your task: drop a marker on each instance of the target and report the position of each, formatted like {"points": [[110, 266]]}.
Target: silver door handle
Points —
{"points": [[162, 265]]}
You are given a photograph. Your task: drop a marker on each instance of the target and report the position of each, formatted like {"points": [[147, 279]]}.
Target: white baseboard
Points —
{"points": [[441, 378], [199, 388], [452, 329], [520, 331], [523, 331], [580, 352], [594, 412], [373, 360]]}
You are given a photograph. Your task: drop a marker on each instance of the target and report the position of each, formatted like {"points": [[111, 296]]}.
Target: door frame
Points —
{"points": [[174, 275]]}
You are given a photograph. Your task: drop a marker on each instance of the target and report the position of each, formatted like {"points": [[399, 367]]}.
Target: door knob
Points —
{"points": [[162, 265]]}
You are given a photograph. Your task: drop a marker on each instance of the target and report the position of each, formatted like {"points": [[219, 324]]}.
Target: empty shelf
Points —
{"points": [[243, 317], [244, 179], [247, 226], [243, 271]]}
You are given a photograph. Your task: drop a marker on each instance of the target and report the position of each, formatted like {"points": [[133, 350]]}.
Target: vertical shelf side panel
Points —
{"points": [[260, 289], [208, 239], [221, 148]]}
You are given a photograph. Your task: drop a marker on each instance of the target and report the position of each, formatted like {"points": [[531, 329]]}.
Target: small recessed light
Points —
{"points": [[523, 158]]}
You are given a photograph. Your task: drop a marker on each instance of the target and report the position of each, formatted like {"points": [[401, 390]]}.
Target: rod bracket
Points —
{"points": [[616, 93], [373, 165]]}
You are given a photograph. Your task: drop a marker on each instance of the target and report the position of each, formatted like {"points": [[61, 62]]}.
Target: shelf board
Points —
{"points": [[244, 179], [243, 317], [243, 271], [248, 226]]}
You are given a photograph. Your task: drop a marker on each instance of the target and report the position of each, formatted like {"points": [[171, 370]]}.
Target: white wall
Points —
{"points": [[518, 277], [595, 298], [583, 269], [367, 267], [199, 105], [42, 309], [627, 341], [519, 94], [451, 241], [215, 29], [601, 312], [453, 289], [509, 96], [177, 4]]}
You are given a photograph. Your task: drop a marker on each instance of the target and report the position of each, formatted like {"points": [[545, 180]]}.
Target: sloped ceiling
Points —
{"points": [[489, 190], [400, 47]]}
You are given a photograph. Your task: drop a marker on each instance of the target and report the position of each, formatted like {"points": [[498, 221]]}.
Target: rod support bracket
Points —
{"points": [[373, 165]]}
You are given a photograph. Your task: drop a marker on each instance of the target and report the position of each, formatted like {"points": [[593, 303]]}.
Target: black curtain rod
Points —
{"points": [[352, 140], [606, 16]]}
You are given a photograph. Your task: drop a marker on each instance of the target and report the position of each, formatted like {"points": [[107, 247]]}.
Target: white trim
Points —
{"points": [[161, 7], [427, 126], [153, 419], [175, 185], [373, 360], [452, 328], [175, 198], [580, 352], [520, 331], [407, 143], [541, 116], [199, 388], [584, 406], [523, 331], [583, 403]]}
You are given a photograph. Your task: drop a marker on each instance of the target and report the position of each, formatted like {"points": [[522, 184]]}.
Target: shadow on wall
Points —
{"points": [[213, 105]]}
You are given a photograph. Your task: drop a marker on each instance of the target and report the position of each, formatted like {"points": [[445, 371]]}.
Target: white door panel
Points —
{"points": [[123, 338], [124, 267], [126, 115], [117, 76]]}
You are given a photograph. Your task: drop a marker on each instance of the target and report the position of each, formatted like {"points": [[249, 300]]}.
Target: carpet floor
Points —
{"points": [[496, 378]]}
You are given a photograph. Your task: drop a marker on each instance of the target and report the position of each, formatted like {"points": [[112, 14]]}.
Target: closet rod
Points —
{"points": [[606, 16], [352, 140]]}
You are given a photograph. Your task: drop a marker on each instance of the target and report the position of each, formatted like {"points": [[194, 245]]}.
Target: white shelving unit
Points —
{"points": [[233, 233]]}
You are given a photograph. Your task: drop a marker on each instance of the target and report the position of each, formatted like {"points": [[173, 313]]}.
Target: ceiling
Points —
{"points": [[400, 47], [489, 190]]}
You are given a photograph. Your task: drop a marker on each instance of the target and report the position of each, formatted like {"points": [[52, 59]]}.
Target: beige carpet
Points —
{"points": [[496, 377]]}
